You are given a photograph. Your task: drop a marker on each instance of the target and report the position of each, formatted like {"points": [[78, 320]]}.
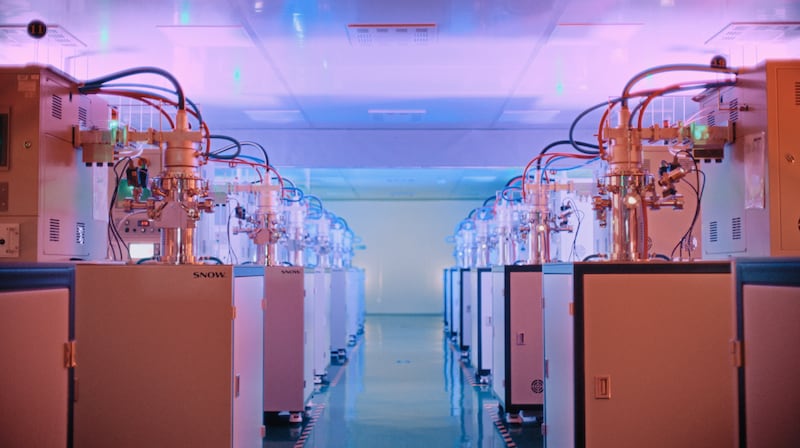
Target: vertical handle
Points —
{"points": [[236, 385], [521, 338], [602, 387]]}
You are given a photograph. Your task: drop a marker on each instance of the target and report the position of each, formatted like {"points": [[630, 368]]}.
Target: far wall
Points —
{"points": [[406, 251]]}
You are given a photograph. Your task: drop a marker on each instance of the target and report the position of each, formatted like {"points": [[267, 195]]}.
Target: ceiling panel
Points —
{"points": [[302, 78]]}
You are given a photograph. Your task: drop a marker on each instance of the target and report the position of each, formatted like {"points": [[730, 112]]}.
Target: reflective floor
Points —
{"points": [[403, 386]]}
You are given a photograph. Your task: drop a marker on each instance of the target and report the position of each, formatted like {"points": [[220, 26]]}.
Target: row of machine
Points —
{"points": [[182, 309], [670, 319]]}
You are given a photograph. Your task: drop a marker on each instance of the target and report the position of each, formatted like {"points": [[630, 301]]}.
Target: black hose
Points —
{"points": [[98, 82]]}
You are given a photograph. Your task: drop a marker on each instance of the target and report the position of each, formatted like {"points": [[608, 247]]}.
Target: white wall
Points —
{"points": [[406, 251]]}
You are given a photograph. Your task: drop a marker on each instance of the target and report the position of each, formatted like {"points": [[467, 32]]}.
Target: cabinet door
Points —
{"points": [[772, 364], [34, 327], [658, 360], [526, 346]]}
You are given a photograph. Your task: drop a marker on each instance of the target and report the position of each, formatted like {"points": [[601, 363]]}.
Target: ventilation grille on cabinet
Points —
{"points": [[55, 230], [713, 235], [711, 119], [733, 108], [82, 116], [736, 228], [57, 108], [797, 93], [80, 234]]}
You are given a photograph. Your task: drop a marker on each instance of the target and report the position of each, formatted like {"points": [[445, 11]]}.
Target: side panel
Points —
{"points": [[485, 299], [465, 326], [559, 382], [33, 380], [322, 329], [283, 339], [446, 299], [339, 310], [474, 322], [309, 309], [499, 334], [248, 361], [355, 304], [456, 308]]}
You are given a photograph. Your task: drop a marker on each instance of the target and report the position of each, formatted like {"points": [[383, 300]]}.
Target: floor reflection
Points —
{"points": [[403, 385]]}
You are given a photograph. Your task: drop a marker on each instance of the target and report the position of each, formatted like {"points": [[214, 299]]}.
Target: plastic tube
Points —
{"points": [[98, 82], [672, 68]]}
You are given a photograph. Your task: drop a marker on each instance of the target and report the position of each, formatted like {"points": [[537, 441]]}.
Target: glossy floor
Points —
{"points": [[403, 386]]}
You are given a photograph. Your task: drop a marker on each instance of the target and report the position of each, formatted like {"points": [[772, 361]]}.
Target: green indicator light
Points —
{"points": [[105, 37], [699, 132], [185, 16]]}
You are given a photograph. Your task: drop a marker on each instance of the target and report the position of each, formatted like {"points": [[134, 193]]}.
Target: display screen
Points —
{"points": [[141, 250], [4, 143]]}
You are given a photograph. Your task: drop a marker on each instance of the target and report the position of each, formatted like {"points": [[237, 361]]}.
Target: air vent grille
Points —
{"points": [[421, 36], [733, 108], [711, 119], [57, 108], [82, 116], [378, 35], [363, 37], [80, 234], [797, 93], [55, 230], [736, 228], [713, 233]]}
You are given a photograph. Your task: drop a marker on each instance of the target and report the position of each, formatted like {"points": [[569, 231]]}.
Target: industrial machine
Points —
{"points": [[286, 379], [616, 331], [627, 189], [37, 336], [215, 385], [767, 311], [345, 305], [53, 197], [751, 209], [517, 367]]}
